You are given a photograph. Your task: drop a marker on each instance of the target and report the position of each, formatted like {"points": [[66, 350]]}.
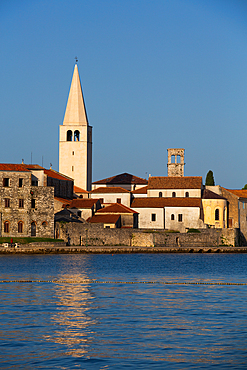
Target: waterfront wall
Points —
{"points": [[95, 235]]}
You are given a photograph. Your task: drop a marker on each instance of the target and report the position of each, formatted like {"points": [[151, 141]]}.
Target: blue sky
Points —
{"points": [[156, 74]]}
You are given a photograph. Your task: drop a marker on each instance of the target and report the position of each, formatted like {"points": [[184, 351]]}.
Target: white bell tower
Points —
{"points": [[75, 138]]}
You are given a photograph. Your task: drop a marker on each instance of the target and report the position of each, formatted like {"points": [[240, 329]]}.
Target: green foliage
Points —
{"points": [[210, 179], [193, 231], [29, 240], [245, 187]]}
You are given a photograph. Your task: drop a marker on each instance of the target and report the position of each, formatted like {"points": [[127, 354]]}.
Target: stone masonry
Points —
{"points": [[175, 167]]}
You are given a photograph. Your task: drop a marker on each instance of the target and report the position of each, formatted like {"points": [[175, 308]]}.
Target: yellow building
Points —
{"points": [[214, 209]]}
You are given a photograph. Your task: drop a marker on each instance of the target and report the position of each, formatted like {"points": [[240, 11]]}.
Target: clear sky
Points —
{"points": [[156, 74]]}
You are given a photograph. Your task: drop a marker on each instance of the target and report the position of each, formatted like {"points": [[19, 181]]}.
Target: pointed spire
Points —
{"points": [[75, 113]]}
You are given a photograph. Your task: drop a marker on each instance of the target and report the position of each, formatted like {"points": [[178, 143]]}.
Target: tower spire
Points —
{"points": [[75, 113]]}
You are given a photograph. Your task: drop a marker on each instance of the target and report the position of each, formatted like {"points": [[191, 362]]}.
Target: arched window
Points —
{"points": [[160, 194], [77, 135], [20, 227], [178, 158], [172, 217], [173, 194], [187, 194], [6, 226], [173, 159], [44, 224], [69, 135], [33, 228], [217, 214]]}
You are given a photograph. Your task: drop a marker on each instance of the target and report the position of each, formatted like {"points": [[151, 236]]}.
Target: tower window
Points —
{"points": [[72, 169], [173, 194], [73, 153], [217, 214], [77, 135], [173, 159], [160, 194], [178, 158], [69, 135]]}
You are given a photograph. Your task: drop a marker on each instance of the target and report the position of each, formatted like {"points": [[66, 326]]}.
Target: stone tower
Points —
{"points": [[75, 138], [175, 164]]}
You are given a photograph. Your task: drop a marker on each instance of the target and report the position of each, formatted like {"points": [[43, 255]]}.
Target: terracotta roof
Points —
{"points": [[123, 178], [208, 194], [32, 166], [173, 182], [238, 192], [110, 189], [116, 208], [142, 190], [83, 203], [104, 219], [152, 202], [79, 190], [13, 167], [63, 200], [57, 175]]}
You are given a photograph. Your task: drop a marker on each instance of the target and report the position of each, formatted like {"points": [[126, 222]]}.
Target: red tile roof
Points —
{"points": [[13, 167], [79, 190], [32, 166], [104, 219], [123, 178], [165, 202], [142, 190], [109, 189], [63, 200], [116, 208], [238, 192], [173, 182], [57, 175], [83, 203], [208, 194]]}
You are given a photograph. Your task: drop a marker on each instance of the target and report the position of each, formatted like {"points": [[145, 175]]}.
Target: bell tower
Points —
{"points": [[75, 138], [175, 164]]}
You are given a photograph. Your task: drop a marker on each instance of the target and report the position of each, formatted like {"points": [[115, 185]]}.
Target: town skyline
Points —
{"points": [[154, 76]]}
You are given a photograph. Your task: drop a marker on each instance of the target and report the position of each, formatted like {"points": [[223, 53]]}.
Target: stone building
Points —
{"points": [[75, 138], [26, 209], [175, 164]]}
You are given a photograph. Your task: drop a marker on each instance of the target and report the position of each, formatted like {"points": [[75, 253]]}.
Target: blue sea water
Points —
{"points": [[135, 311]]}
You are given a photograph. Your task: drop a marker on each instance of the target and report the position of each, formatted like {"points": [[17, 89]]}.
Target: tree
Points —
{"points": [[245, 187], [210, 179]]}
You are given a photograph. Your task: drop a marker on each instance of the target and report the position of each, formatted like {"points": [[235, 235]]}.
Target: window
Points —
{"points": [[77, 135], [33, 203], [173, 159], [187, 194], [6, 182], [79, 213], [178, 158], [6, 226], [33, 228], [7, 202], [69, 135], [180, 217], [72, 168], [20, 227], [21, 203], [153, 217], [243, 205], [73, 153], [118, 200], [44, 224], [160, 194], [172, 217], [217, 214], [20, 183], [173, 194]]}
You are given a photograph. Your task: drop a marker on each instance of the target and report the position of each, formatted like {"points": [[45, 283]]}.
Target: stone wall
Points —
{"points": [[96, 235], [62, 188]]}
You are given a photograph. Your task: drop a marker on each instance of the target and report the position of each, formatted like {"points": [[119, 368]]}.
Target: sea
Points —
{"points": [[123, 311]]}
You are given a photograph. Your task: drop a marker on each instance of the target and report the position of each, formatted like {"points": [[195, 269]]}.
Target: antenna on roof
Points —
{"points": [[31, 158], [22, 161], [42, 160], [76, 60], [50, 166]]}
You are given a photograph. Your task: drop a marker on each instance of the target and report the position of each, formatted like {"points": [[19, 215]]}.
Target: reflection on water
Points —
{"points": [[70, 321]]}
